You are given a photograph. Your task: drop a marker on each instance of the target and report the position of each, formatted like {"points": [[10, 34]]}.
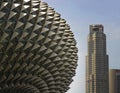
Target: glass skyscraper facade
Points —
{"points": [[97, 61]]}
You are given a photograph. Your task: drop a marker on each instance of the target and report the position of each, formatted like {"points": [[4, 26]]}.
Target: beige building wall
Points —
{"points": [[114, 81]]}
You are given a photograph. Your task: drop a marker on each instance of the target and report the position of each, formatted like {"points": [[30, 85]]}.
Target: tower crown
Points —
{"points": [[96, 28]]}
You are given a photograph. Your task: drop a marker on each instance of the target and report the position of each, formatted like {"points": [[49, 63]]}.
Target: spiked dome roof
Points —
{"points": [[38, 51]]}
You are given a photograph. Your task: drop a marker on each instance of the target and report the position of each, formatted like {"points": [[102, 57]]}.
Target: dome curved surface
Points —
{"points": [[38, 51]]}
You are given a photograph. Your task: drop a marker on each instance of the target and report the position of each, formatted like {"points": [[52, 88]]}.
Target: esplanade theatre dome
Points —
{"points": [[38, 51]]}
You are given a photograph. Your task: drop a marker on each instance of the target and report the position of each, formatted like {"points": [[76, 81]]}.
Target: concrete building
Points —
{"points": [[38, 51], [114, 81], [97, 61]]}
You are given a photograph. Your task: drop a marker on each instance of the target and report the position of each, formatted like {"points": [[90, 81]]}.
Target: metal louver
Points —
{"points": [[38, 51]]}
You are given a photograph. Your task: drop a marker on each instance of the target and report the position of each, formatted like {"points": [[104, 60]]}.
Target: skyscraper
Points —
{"points": [[114, 80], [97, 61]]}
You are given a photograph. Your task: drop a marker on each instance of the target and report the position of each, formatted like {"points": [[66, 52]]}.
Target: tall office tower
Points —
{"points": [[114, 81], [97, 61]]}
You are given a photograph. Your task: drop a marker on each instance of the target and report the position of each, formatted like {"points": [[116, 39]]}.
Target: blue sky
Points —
{"points": [[79, 14]]}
